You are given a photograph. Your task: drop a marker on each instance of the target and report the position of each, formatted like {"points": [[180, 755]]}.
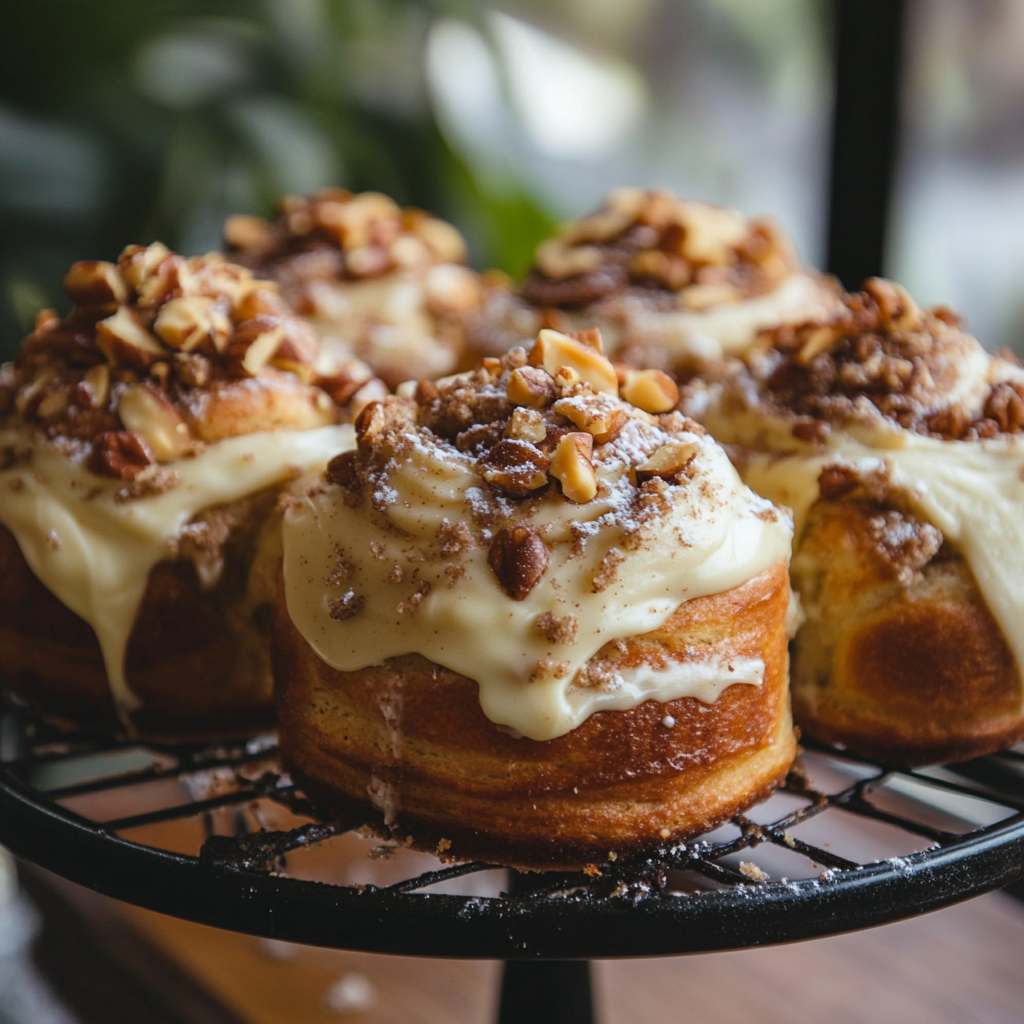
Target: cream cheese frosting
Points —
{"points": [[405, 569], [727, 329], [94, 550]]}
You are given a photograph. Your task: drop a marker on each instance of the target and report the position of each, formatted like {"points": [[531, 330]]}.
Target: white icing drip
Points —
{"points": [[704, 680], [972, 491], [95, 554], [715, 536]]}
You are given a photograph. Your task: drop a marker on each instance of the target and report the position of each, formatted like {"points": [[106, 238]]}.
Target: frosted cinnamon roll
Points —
{"points": [[673, 284], [381, 283], [144, 443], [896, 440], [527, 621]]}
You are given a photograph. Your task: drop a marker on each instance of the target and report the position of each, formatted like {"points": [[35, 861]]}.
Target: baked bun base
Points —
{"points": [[900, 658], [404, 748], [198, 660]]}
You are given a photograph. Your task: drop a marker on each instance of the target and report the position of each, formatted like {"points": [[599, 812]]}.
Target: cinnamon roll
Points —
{"points": [[897, 441], [145, 441], [673, 284], [384, 284], [526, 621]]}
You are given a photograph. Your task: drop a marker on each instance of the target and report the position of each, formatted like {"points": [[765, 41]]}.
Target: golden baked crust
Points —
{"points": [[198, 659], [384, 284], [621, 782], [900, 657]]}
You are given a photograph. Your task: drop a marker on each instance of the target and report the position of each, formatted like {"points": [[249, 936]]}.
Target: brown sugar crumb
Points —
{"points": [[395, 574], [160, 482], [414, 600], [837, 479], [547, 668], [378, 550], [753, 872], [340, 573], [562, 630], [882, 354], [454, 537], [453, 573], [905, 542], [609, 570], [344, 607], [443, 846], [53, 540]]}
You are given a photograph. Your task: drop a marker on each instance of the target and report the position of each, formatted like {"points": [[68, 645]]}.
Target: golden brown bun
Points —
{"points": [[160, 356], [621, 782], [900, 657], [198, 659], [385, 284]]}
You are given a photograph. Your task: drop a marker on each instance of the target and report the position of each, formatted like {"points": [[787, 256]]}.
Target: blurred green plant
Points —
{"points": [[124, 121]]}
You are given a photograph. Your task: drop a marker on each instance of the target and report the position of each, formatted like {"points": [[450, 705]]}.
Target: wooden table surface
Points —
{"points": [[961, 965]]}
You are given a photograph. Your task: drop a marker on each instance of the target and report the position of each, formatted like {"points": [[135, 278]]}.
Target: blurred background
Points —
{"points": [[125, 122]]}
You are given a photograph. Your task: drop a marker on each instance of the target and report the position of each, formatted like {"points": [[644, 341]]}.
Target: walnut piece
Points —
{"points": [[531, 387], [119, 454]]}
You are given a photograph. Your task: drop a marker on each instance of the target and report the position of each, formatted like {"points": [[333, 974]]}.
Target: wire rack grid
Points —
{"points": [[219, 834]]}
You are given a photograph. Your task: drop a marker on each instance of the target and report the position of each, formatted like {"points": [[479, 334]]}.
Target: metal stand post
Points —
{"points": [[868, 44]]}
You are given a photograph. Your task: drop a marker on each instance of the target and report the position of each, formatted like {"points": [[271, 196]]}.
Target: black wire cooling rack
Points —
{"points": [[219, 835]]}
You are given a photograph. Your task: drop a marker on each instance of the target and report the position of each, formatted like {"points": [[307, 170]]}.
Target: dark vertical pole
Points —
{"points": [[544, 991], [868, 51]]}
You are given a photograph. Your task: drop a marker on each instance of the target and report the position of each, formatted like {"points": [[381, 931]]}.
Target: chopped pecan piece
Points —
{"points": [[518, 558], [119, 454]]}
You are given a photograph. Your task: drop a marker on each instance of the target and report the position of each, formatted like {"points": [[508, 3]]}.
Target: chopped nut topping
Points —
{"points": [[879, 354], [146, 412], [125, 342], [553, 350], [119, 454], [168, 325], [571, 466], [340, 573], [651, 390], [92, 283], [518, 557], [515, 466], [530, 387], [601, 418], [191, 321], [650, 242], [526, 425], [669, 460]]}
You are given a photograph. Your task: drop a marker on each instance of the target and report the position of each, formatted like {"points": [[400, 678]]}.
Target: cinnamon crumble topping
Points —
{"points": [[883, 355]]}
